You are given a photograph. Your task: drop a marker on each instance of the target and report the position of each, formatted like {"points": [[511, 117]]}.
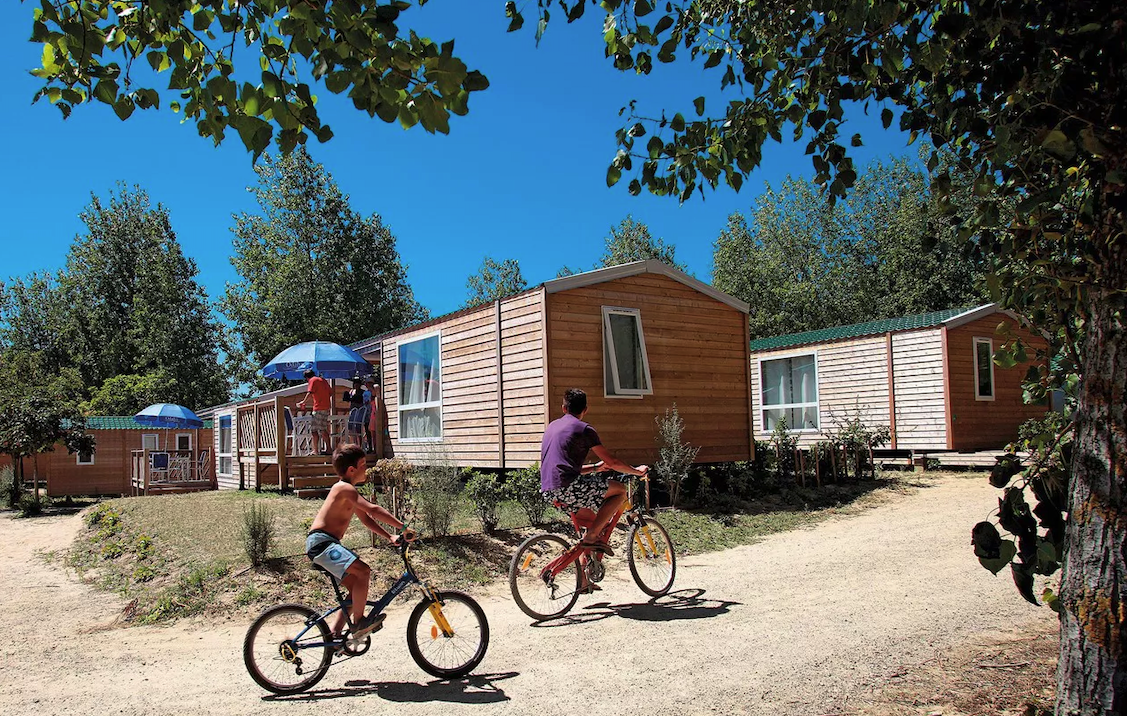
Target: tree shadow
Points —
{"points": [[675, 606], [473, 689]]}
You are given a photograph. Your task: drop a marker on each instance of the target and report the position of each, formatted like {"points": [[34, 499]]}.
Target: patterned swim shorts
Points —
{"points": [[584, 491], [320, 422]]}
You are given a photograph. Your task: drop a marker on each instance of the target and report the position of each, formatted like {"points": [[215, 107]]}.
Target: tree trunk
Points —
{"points": [[1092, 671], [17, 481]]}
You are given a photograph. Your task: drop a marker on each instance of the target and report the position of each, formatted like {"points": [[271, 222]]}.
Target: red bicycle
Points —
{"points": [[547, 571]]}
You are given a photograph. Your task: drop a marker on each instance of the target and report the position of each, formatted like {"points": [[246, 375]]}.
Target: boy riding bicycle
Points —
{"points": [[565, 479], [323, 545]]}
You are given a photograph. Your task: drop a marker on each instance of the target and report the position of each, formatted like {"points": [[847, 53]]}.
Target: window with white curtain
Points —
{"points": [[420, 388], [626, 368], [226, 464], [789, 390]]}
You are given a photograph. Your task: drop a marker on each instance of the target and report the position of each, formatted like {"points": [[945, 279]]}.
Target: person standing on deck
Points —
{"points": [[318, 388]]}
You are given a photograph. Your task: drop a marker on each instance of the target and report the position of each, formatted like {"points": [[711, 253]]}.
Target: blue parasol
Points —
{"points": [[329, 360], [168, 415]]}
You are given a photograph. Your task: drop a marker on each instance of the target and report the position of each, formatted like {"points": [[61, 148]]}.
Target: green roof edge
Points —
{"points": [[857, 330]]}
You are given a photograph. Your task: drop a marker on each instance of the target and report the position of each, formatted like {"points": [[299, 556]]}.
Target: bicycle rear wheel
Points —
{"points": [[281, 661], [453, 656], [652, 559], [539, 598]]}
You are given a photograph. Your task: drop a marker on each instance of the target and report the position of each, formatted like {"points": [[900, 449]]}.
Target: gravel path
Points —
{"points": [[796, 625]]}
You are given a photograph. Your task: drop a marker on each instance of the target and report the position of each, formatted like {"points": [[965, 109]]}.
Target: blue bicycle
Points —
{"points": [[290, 647]]}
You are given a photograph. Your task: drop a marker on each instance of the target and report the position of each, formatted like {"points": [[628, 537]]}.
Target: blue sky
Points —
{"points": [[522, 176]]}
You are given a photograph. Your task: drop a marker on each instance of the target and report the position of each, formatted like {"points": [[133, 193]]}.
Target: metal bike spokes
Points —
{"points": [[449, 651], [283, 659], [538, 593]]}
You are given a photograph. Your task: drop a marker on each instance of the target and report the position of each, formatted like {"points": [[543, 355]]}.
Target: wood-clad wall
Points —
{"points": [[917, 363], [697, 355], [852, 378], [109, 475], [987, 424], [477, 346]]}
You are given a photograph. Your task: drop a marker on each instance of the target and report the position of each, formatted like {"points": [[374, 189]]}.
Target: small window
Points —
{"points": [[983, 369], [420, 388], [184, 441], [789, 391], [150, 441], [224, 453], [84, 458], [626, 368]]}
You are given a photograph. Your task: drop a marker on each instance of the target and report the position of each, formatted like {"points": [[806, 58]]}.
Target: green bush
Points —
{"points": [[7, 477], [675, 457], [29, 506], [486, 493], [434, 491], [258, 532], [524, 487]]}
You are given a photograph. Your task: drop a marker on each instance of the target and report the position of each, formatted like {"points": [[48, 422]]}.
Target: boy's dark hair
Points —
{"points": [[575, 401], [345, 456], [309, 374]]}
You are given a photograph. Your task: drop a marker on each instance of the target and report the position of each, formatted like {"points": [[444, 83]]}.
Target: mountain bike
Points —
{"points": [[290, 647], [547, 570]]}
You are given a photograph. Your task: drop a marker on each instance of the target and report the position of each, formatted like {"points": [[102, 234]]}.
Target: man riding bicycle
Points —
{"points": [[566, 480]]}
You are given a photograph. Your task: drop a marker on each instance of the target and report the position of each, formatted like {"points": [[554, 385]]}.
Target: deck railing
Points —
{"points": [[164, 469]]}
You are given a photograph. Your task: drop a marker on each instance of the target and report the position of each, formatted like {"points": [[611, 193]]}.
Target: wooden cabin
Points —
{"points": [[930, 378], [477, 387], [128, 457]]}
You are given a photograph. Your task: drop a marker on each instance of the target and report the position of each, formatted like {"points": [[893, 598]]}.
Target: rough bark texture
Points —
{"points": [[1092, 672]]}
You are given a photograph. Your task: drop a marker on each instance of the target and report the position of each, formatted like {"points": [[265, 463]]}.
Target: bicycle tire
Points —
{"points": [[653, 573], [534, 596], [463, 622], [286, 619]]}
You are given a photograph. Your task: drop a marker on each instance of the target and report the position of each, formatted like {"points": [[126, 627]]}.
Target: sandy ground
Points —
{"points": [[801, 624]]}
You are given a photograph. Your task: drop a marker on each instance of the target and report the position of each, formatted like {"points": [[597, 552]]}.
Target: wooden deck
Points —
{"points": [[165, 472], [940, 459]]}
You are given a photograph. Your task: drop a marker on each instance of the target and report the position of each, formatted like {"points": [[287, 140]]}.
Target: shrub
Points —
{"points": [[852, 433], [29, 505], [258, 532], [434, 489], [486, 493], [524, 487], [674, 456], [7, 477], [390, 478], [783, 444]]}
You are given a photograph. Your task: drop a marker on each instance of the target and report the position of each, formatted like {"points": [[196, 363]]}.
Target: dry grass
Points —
{"points": [[1007, 674]]}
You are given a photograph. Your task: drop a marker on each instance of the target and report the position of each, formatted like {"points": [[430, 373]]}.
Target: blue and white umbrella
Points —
{"points": [[329, 360], [168, 415]]}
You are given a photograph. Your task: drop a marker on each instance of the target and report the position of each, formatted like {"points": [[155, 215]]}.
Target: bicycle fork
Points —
{"points": [[441, 623]]}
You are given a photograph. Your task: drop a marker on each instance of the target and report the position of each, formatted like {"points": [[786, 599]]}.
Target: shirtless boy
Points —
{"points": [[323, 545]]}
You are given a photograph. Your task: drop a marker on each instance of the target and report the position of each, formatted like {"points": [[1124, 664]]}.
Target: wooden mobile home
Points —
{"points": [[930, 378], [120, 443], [477, 387]]}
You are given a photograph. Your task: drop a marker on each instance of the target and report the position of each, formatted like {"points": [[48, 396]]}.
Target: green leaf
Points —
{"points": [[643, 7], [516, 20], [856, 141], [698, 104], [106, 91], [1057, 144], [613, 175], [886, 117], [123, 108], [654, 147], [1008, 550], [677, 123]]}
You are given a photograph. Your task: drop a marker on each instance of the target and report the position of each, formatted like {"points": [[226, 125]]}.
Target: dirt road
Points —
{"points": [[799, 624]]}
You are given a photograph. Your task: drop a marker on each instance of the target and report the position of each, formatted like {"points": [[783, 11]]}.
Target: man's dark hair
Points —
{"points": [[346, 456], [308, 374], [575, 401]]}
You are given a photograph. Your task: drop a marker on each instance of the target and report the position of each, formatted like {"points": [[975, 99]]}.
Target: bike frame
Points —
{"points": [[407, 579], [577, 551]]}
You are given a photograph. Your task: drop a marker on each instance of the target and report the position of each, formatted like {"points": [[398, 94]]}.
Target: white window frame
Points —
{"points": [[400, 406], [219, 454], [79, 461], [183, 435], [156, 440], [976, 341], [616, 390], [763, 407]]}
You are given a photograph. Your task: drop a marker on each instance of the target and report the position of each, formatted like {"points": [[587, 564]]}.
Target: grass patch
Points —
{"points": [[178, 555]]}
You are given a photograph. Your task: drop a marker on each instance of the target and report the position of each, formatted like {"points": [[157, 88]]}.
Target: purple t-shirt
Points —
{"points": [[566, 443]]}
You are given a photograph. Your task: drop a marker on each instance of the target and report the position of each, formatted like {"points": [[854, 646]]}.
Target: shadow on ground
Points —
{"points": [[675, 606], [473, 689]]}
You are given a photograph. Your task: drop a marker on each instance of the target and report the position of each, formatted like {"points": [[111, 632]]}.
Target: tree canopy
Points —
{"points": [[494, 280], [628, 242], [312, 268], [887, 250], [251, 66]]}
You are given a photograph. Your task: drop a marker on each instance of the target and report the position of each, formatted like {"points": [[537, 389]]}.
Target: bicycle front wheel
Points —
{"points": [[652, 559], [539, 597], [283, 653], [448, 640]]}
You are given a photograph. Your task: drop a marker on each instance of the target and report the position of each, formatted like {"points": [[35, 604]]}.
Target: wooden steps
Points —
{"points": [[310, 476]]}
